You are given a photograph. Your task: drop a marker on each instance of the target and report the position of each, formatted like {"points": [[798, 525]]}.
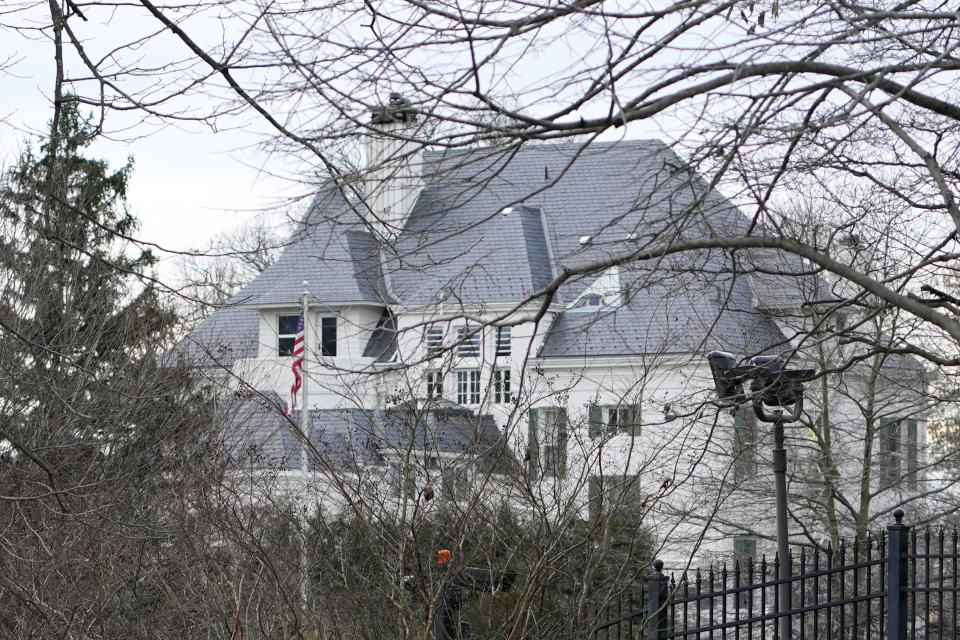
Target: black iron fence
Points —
{"points": [[899, 584]]}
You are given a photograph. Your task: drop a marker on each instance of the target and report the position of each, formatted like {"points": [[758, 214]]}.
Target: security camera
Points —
{"points": [[727, 376], [776, 386], [771, 384]]}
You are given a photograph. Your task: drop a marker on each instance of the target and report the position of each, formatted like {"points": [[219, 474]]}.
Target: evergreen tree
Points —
{"points": [[97, 437]]}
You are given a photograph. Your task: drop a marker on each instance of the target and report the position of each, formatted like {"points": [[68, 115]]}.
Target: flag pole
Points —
{"points": [[304, 425], [304, 411]]}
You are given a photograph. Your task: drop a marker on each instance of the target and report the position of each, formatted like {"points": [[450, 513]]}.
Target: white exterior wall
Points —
{"points": [[341, 381], [683, 460]]}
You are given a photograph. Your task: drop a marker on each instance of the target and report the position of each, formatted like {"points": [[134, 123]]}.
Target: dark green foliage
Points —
{"points": [[565, 572], [99, 442]]}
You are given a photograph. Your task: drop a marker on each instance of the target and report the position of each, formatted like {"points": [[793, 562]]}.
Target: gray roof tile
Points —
{"points": [[221, 338], [258, 434], [460, 242], [335, 255]]}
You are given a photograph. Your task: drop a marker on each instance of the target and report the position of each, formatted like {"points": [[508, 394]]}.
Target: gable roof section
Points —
{"points": [[471, 256], [676, 306], [220, 339], [339, 260]]}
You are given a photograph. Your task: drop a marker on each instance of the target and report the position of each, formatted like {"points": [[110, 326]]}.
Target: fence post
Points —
{"points": [[657, 594], [897, 535]]}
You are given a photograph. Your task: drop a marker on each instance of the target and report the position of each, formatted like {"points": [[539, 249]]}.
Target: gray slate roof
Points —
{"points": [[621, 195], [335, 255], [349, 439], [220, 339], [495, 225]]}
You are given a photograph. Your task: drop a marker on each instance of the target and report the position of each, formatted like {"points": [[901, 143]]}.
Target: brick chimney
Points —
{"points": [[394, 166]]}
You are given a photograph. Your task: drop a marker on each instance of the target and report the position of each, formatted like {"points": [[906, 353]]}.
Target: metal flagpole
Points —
{"points": [[304, 425]]}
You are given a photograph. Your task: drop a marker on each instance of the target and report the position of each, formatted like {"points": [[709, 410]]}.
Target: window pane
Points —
{"points": [[328, 336], [469, 341], [287, 325], [503, 341], [434, 384], [623, 419], [501, 386], [468, 387], [285, 346], [474, 387]]}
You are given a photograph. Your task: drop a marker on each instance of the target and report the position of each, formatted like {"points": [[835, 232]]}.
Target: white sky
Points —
{"points": [[188, 182]]}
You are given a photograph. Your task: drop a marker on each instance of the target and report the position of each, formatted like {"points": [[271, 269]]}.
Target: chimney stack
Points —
{"points": [[394, 166]]}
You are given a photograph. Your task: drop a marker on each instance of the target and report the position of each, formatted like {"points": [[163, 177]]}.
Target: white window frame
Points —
{"points": [[324, 327], [468, 386], [433, 338], [502, 393], [504, 335], [469, 341], [434, 381], [286, 336], [619, 418]]}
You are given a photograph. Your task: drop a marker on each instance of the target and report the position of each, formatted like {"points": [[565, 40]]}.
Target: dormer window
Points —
{"points": [[468, 339], [591, 300], [434, 340], [286, 333], [603, 293]]}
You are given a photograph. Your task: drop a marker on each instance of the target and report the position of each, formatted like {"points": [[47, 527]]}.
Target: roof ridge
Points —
{"points": [[544, 146]]}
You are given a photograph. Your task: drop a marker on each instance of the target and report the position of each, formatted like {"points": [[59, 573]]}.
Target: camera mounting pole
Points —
{"points": [[777, 398]]}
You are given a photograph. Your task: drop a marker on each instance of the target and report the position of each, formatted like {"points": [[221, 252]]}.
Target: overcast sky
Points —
{"points": [[188, 183]]}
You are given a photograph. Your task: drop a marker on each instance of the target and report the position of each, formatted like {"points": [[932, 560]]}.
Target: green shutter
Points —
{"points": [[561, 448], [533, 445], [913, 446], [596, 420], [739, 430], [595, 499], [634, 429], [885, 430], [885, 452]]}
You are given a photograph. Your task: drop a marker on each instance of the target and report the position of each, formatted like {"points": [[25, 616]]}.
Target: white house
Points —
{"points": [[490, 312]]}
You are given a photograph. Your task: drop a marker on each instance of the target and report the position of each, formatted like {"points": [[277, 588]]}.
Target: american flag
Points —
{"points": [[296, 367]]}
